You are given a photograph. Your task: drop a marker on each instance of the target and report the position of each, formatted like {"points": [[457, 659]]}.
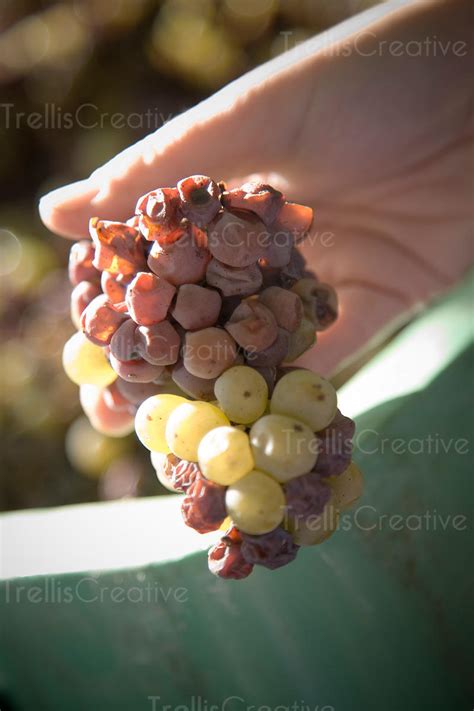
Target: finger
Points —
{"points": [[237, 131]]}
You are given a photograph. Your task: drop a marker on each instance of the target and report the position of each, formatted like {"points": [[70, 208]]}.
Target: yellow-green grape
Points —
{"points": [[90, 452], [86, 363], [306, 290], [315, 529], [226, 524], [306, 396], [300, 340], [347, 487], [224, 455], [151, 420], [158, 460], [188, 424], [255, 503], [283, 446], [242, 393]]}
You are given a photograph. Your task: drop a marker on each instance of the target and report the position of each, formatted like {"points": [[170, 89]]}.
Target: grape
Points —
{"points": [[307, 396], [294, 270], [286, 307], [270, 275], [136, 370], [86, 363], [99, 320], [208, 352], [89, 451], [225, 558], [160, 465], [279, 249], [237, 238], [315, 529], [260, 198], [151, 420], [273, 355], [319, 302], [253, 326], [158, 344], [159, 215], [115, 286], [148, 298], [335, 446], [123, 344], [199, 199], [224, 455], [154, 232], [242, 394], [326, 307], [283, 446], [159, 462], [295, 219], [174, 473], [183, 262], [269, 375], [196, 307], [198, 388], [346, 487], [272, 550], [306, 495], [229, 304], [118, 247], [81, 296], [301, 340], [80, 263], [114, 399], [204, 505], [255, 503], [233, 281], [104, 418], [136, 393], [187, 425]]}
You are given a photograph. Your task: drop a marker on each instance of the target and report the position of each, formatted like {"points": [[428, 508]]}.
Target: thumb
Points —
{"points": [[245, 128], [222, 134]]}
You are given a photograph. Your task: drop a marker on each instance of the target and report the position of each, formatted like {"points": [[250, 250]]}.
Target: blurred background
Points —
{"points": [[66, 68]]}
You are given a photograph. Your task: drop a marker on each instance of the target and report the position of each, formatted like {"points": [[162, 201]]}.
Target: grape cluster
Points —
{"points": [[188, 315]]}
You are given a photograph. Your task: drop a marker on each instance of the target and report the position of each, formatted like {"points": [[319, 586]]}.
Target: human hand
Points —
{"points": [[378, 142]]}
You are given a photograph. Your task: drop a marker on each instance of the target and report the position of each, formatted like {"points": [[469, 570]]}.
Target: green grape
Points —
{"points": [[242, 393], [300, 340], [224, 455], [283, 446], [89, 451], [188, 424], [151, 419], [306, 396], [85, 363], [315, 529], [346, 487], [255, 503]]}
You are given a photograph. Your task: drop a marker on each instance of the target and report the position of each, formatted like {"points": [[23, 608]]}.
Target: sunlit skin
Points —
{"points": [[378, 142]]}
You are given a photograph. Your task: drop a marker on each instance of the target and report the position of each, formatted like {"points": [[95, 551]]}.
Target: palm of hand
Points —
{"points": [[378, 147]]}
